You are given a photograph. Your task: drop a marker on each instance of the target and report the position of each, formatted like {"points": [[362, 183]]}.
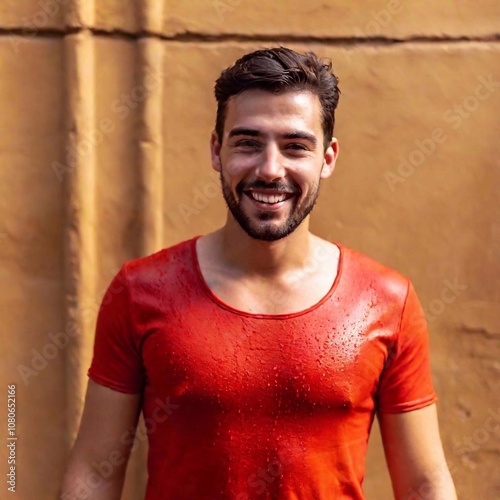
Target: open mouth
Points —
{"points": [[269, 198]]}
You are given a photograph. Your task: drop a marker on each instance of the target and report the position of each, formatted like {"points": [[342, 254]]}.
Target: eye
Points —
{"points": [[247, 143], [296, 146]]}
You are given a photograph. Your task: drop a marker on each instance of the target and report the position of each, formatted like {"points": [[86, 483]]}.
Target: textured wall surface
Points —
{"points": [[106, 109]]}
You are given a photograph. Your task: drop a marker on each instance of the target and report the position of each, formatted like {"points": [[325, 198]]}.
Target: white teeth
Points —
{"points": [[273, 198]]}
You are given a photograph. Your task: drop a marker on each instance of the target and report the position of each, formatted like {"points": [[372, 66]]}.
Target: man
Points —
{"points": [[260, 353]]}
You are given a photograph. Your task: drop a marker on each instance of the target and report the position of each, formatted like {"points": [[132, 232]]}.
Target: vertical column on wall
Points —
{"points": [[150, 159], [80, 246], [151, 16], [150, 55]]}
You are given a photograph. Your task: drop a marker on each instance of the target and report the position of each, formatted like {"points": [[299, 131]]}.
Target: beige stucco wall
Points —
{"points": [[105, 113]]}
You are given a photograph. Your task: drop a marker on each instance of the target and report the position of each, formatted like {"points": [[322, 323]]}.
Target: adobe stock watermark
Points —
{"points": [[296, 278], [468, 444], [260, 480], [427, 146], [121, 108], [379, 20], [58, 341], [40, 358], [201, 198], [438, 479], [449, 294], [223, 7], [48, 9], [481, 435], [129, 440]]}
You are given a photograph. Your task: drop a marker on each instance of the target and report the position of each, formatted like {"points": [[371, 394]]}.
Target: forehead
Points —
{"points": [[260, 109]]}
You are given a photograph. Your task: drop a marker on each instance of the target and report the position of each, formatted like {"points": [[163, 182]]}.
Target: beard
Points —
{"points": [[263, 226]]}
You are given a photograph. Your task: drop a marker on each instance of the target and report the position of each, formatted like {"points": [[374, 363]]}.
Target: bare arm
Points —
{"points": [[97, 465], [415, 456]]}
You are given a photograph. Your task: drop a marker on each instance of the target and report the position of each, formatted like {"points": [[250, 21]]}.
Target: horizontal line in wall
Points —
{"points": [[235, 37]]}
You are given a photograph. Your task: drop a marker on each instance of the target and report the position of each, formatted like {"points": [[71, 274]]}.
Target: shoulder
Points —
{"points": [[358, 268], [161, 264]]}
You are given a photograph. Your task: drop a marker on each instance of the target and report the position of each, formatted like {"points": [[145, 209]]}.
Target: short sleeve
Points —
{"points": [[117, 362], [406, 382]]}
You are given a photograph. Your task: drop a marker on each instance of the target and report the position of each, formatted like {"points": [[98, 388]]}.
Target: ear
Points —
{"points": [[330, 158], [215, 151]]}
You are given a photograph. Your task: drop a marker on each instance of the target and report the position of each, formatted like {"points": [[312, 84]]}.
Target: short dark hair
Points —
{"points": [[279, 70]]}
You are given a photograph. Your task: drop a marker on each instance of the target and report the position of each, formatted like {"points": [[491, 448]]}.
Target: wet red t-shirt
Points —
{"points": [[242, 406]]}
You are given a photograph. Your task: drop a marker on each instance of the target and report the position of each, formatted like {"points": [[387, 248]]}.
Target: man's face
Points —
{"points": [[271, 160]]}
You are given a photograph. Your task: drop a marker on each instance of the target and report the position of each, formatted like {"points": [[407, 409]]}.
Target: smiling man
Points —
{"points": [[261, 353], [263, 126]]}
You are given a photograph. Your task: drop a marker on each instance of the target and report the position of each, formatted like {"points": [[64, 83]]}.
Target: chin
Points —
{"points": [[266, 231], [270, 235]]}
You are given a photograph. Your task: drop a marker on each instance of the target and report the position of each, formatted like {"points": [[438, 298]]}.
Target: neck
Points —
{"points": [[264, 258]]}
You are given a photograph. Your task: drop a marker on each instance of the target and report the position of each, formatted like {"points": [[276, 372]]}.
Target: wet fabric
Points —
{"points": [[243, 406]]}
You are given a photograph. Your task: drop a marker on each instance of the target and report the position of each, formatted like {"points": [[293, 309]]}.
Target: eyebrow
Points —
{"points": [[251, 132], [244, 131]]}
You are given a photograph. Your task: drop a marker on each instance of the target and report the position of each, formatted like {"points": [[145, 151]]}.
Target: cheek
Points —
{"points": [[231, 177], [304, 178], [239, 167], [237, 170]]}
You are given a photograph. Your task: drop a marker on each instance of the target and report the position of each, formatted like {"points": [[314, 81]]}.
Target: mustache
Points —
{"points": [[260, 184]]}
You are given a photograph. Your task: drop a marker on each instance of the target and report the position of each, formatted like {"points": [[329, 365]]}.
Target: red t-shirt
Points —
{"points": [[242, 406]]}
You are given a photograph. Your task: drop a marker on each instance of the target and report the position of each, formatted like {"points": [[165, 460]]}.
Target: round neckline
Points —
{"points": [[219, 302]]}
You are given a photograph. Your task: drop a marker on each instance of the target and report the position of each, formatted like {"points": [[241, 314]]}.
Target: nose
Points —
{"points": [[271, 165]]}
